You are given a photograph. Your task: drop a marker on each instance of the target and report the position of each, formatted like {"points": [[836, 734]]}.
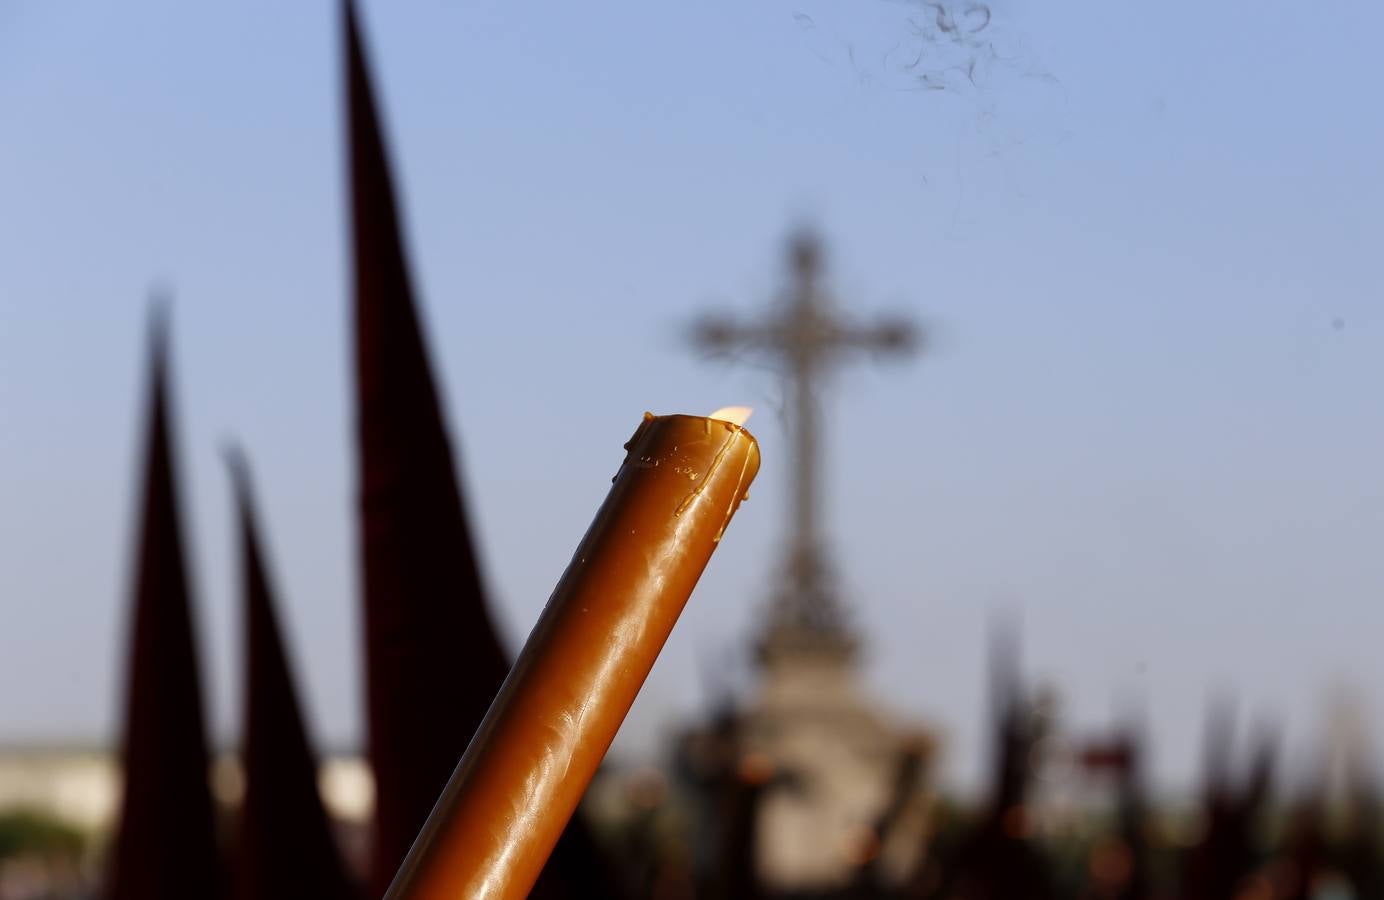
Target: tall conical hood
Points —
{"points": [[285, 848], [433, 662], [166, 844]]}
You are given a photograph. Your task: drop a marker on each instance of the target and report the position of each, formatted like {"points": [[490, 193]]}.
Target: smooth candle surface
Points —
{"points": [[584, 662]]}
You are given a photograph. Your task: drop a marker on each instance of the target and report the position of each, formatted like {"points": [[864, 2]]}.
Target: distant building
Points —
{"points": [[81, 785]]}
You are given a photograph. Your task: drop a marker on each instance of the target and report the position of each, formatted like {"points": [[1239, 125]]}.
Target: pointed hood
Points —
{"points": [[1229, 847], [433, 660], [996, 859], [166, 844], [286, 848]]}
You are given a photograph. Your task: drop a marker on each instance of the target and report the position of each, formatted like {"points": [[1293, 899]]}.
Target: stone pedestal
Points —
{"points": [[838, 757]]}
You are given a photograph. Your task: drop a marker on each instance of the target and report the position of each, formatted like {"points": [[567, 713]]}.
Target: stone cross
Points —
{"points": [[805, 337]]}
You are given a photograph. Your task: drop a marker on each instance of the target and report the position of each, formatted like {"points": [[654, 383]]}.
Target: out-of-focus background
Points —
{"points": [[1127, 443]]}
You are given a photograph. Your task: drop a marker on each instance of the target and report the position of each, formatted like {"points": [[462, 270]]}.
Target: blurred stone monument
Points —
{"points": [[841, 805]]}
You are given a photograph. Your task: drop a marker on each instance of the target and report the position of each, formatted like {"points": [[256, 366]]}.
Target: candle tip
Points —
{"points": [[736, 415]]}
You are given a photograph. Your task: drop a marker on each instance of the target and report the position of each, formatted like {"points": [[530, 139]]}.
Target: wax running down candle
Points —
{"points": [[584, 662]]}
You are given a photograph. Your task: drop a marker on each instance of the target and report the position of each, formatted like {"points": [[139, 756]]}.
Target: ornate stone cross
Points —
{"points": [[805, 337]]}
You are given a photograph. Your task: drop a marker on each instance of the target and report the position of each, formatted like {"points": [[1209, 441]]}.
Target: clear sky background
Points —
{"points": [[1147, 236]]}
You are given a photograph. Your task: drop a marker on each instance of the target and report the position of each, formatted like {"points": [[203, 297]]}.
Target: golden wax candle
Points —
{"points": [[584, 662]]}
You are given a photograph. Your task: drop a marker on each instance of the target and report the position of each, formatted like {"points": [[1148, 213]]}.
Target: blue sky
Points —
{"points": [[1149, 424]]}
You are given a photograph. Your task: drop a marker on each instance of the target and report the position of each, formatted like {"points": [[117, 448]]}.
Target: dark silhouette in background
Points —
{"points": [[433, 659], [1233, 807], [996, 860], [285, 847], [166, 844]]}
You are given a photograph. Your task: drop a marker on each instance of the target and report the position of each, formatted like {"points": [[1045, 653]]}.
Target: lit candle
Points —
{"points": [[539, 745]]}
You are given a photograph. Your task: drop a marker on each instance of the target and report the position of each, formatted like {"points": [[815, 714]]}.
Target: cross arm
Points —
{"points": [[723, 334], [893, 335]]}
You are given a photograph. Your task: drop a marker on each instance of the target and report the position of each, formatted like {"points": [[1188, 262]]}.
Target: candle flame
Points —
{"points": [[736, 415]]}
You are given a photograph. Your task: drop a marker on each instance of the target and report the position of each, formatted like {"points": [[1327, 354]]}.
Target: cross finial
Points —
{"points": [[804, 336]]}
